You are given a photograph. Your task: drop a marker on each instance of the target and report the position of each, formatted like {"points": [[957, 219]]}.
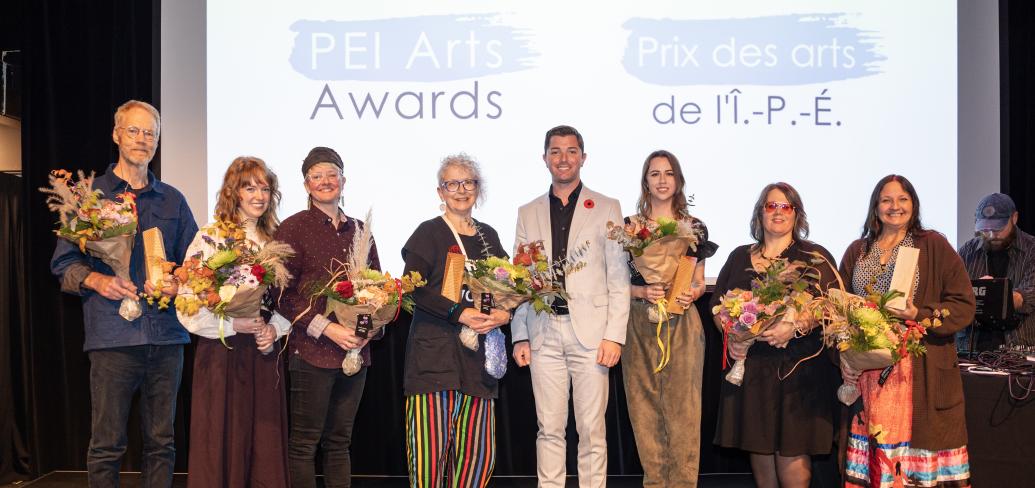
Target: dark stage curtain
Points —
{"points": [[14, 457], [1017, 43], [81, 60]]}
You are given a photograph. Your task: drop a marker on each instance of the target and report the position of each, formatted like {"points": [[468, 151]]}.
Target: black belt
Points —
{"points": [[560, 307]]}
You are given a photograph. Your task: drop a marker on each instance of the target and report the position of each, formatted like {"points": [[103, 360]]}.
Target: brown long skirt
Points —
{"points": [[238, 422]]}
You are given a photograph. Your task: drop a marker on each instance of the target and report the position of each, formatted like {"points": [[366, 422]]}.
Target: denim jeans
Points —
{"points": [[323, 409], [115, 376]]}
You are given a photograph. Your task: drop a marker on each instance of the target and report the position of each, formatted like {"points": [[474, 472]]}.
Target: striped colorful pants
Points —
{"points": [[450, 439]]}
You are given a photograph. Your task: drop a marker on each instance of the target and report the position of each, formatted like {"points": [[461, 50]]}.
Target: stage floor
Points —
{"points": [[70, 479]]}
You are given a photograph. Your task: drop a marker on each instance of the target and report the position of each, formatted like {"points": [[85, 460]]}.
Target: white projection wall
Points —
{"points": [[828, 96]]}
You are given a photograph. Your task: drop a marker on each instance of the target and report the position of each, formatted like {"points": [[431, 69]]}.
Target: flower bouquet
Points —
{"points": [[101, 227], [867, 335], [362, 298], [365, 301], [658, 250], [232, 281], [529, 276], [865, 332], [779, 294]]}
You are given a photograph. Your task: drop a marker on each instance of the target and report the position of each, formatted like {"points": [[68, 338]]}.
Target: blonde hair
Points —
{"points": [[243, 171]]}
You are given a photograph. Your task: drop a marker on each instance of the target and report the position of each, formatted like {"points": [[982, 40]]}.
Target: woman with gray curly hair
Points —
{"points": [[451, 389]]}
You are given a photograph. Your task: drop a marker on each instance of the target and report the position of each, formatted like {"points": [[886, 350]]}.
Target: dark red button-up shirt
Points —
{"points": [[316, 242]]}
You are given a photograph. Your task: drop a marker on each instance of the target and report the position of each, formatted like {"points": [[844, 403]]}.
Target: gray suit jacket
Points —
{"points": [[599, 292]]}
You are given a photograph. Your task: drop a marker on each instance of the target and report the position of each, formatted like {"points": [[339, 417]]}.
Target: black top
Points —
{"points": [[435, 358], [738, 271], [705, 249], [560, 226], [998, 263], [793, 416]]}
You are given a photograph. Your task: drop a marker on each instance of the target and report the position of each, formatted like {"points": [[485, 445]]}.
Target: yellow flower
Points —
{"points": [[187, 304], [371, 274], [198, 285], [519, 273]]}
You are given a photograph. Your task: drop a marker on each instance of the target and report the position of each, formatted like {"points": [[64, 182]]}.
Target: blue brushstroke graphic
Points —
{"points": [[750, 51], [426, 48]]}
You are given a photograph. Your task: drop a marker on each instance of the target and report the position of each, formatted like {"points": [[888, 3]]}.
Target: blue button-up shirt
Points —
{"points": [[158, 205]]}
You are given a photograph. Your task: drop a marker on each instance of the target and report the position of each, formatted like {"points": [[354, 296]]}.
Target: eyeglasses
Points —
{"points": [[134, 132], [318, 177], [783, 207], [453, 185], [989, 233]]}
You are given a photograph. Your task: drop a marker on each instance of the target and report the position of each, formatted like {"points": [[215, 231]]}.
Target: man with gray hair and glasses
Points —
{"points": [[144, 354]]}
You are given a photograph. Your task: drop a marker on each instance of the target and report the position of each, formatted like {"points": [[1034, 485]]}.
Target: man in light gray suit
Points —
{"points": [[578, 345]]}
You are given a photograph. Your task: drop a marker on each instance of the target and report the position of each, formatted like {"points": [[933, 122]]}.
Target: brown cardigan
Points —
{"points": [[938, 421]]}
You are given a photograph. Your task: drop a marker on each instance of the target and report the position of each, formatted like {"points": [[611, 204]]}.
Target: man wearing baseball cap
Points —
{"points": [[1002, 250]]}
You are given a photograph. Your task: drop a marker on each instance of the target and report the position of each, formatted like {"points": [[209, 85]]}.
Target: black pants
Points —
{"points": [[323, 409]]}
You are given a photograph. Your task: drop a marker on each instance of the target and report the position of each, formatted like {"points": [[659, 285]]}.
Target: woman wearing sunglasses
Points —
{"points": [[782, 413]]}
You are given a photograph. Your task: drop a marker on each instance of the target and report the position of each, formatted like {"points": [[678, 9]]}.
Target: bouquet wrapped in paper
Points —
{"points": [[101, 227], [362, 298], [658, 249], [366, 300], [529, 276], [867, 335], [232, 281], [780, 294]]}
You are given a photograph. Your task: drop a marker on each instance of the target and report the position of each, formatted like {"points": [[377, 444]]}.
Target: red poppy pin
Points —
{"points": [[589, 203], [455, 249]]}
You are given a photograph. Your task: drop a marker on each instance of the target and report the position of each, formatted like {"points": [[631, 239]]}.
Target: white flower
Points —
{"points": [[227, 292], [369, 297]]}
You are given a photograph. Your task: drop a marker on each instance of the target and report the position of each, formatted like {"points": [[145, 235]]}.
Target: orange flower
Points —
{"points": [[181, 273]]}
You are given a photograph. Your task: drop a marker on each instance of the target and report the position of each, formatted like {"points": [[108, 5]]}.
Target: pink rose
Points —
{"points": [[748, 318]]}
